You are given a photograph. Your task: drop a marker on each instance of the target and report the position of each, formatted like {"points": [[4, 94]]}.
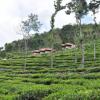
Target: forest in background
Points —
{"points": [[66, 34]]}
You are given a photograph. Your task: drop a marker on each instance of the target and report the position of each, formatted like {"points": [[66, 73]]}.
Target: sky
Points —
{"points": [[12, 12]]}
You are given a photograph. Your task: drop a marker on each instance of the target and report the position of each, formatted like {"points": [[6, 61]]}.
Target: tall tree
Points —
{"points": [[93, 7], [79, 7], [31, 23], [58, 7]]}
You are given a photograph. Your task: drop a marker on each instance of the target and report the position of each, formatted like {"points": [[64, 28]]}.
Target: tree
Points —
{"points": [[93, 7], [2, 53], [1, 48], [58, 7], [8, 47], [36, 42], [26, 26], [67, 33], [31, 23], [79, 7]]}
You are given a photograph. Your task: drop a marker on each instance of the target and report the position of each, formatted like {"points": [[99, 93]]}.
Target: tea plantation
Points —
{"points": [[66, 80]]}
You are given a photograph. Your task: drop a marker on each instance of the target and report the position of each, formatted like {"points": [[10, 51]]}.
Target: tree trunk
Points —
{"points": [[82, 45], [75, 55], [52, 46], [52, 38], [52, 62], [94, 51], [94, 43], [25, 55], [82, 49], [76, 32]]}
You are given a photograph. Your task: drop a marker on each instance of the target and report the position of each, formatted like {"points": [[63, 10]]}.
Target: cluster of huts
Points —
{"points": [[42, 51], [48, 50]]}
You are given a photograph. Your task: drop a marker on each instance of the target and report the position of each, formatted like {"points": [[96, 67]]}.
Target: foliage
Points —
{"points": [[31, 24], [63, 35]]}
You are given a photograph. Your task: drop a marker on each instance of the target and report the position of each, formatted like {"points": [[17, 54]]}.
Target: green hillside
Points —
{"points": [[67, 80]]}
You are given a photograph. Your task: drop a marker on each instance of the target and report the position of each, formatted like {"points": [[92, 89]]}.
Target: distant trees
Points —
{"points": [[8, 47], [35, 42], [68, 33], [39, 40], [2, 53]]}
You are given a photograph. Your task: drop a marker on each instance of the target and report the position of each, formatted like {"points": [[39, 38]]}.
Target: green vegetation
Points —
{"points": [[27, 77], [66, 34], [38, 81]]}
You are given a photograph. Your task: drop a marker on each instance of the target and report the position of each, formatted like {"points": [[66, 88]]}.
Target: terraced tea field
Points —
{"points": [[67, 80]]}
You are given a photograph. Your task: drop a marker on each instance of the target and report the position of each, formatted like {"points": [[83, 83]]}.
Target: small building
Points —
{"points": [[35, 52], [42, 51], [45, 50], [68, 46]]}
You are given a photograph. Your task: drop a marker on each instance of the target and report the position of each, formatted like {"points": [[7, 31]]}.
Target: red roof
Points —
{"points": [[45, 49], [36, 51], [67, 44]]}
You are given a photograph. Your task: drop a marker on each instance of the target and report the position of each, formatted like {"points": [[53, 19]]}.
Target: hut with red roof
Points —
{"points": [[35, 52], [45, 50], [68, 46]]}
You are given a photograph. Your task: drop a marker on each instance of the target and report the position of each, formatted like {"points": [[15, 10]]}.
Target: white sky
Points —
{"points": [[13, 11]]}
